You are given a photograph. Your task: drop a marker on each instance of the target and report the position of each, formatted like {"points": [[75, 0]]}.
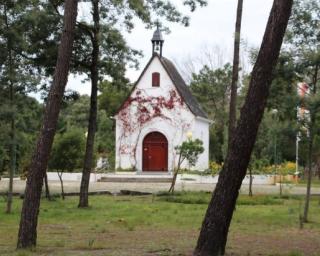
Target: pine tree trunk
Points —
{"points": [[215, 227], [250, 181], [61, 183], [13, 152], [235, 74], [92, 126], [310, 150], [280, 185], [27, 236], [12, 164], [47, 190], [306, 206]]}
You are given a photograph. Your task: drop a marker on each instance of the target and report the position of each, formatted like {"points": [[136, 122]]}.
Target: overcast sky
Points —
{"points": [[211, 27]]}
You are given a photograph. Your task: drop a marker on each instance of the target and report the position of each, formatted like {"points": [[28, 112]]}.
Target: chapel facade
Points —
{"points": [[159, 114]]}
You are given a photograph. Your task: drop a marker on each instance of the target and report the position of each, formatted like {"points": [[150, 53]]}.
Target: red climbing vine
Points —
{"points": [[147, 108], [140, 109]]}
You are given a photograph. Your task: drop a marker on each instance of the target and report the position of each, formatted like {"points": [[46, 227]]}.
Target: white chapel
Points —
{"points": [[159, 114]]}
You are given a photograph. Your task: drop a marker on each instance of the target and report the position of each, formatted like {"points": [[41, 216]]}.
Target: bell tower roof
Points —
{"points": [[157, 35], [157, 41]]}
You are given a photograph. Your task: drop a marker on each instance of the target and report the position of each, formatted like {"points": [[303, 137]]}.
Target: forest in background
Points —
{"points": [[276, 141]]}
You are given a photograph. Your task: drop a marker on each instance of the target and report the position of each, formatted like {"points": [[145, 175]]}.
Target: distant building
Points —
{"points": [[159, 114]]}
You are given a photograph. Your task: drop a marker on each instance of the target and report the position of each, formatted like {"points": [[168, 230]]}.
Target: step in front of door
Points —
{"points": [[137, 179]]}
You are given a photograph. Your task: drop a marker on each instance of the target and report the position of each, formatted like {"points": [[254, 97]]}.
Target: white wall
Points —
{"points": [[201, 131], [174, 122], [71, 176], [257, 179]]}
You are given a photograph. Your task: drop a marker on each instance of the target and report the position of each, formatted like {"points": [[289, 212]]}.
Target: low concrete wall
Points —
{"points": [[257, 179], [182, 178], [72, 176]]}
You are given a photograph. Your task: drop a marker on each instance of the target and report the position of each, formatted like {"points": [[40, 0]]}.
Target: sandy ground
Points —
{"points": [[114, 187]]}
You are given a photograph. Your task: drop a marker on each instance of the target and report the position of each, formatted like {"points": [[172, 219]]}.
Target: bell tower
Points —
{"points": [[157, 41]]}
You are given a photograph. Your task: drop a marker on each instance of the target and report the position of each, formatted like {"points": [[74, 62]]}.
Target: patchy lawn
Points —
{"points": [[163, 225]]}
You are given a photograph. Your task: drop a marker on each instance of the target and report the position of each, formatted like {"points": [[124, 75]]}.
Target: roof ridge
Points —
{"points": [[183, 88], [179, 83]]}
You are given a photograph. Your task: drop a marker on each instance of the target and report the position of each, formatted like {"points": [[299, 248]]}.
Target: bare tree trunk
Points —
{"points": [[235, 74], [92, 126], [13, 153], [310, 151], [27, 236], [12, 163], [280, 185], [250, 181], [173, 183], [174, 178], [48, 196], [306, 206], [213, 235], [61, 183]]}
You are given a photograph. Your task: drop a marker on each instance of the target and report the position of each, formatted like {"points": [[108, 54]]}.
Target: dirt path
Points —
{"points": [[144, 242]]}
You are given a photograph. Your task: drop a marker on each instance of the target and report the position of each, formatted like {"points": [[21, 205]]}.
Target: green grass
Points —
{"points": [[314, 183], [163, 225], [204, 198]]}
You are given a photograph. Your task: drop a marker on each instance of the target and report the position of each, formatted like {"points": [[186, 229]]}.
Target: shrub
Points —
{"points": [[215, 168], [285, 168]]}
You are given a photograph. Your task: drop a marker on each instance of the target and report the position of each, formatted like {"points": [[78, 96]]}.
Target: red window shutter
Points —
{"points": [[155, 79]]}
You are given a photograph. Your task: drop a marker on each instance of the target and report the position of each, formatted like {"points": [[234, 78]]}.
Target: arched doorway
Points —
{"points": [[155, 153]]}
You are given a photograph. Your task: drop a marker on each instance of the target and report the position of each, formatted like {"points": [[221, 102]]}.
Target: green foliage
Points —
{"points": [[14, 69], [283, 91], [27, 118], [189, 150], [75, 113], [278, 131], [67, 151], [261, 166], [303, 30], [204, 198], [112, 96], [30, 33], [211, 88], [185, 197], [115, 17], [215, 168], [303, 43], [105, 138]]}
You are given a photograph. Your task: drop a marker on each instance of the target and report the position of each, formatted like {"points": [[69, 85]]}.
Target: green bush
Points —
{"points": [[67, 151], [204, 198]]}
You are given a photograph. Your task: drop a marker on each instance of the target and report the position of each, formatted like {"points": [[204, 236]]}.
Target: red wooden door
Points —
{"points": [[155, 153]]}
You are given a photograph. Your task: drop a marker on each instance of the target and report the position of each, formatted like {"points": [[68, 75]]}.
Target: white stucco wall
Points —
{"points": [[174, 120], [72, 176], [201, 131]]}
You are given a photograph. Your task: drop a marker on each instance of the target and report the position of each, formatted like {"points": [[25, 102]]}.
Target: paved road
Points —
{"points": [[114, 187]]}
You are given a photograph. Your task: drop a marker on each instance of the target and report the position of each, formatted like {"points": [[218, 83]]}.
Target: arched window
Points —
{"points": [[155, 79]]}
